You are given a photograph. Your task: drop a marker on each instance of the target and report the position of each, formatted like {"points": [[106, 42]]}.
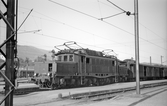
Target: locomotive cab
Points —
{"points": [[65, 58]]}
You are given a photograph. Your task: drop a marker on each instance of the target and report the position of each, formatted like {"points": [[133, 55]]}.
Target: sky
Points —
{"points": [[61, 21]]}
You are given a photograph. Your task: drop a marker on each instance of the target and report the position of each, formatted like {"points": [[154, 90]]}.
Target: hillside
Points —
{"points": [[30, 52]]}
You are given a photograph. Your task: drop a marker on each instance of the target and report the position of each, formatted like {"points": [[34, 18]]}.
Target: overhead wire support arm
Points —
{"points": [[111, 16], [25, 19], [127, 12], [116, 6], [12, 27]]}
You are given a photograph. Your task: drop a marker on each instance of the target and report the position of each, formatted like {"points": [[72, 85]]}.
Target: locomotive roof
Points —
{"points": [[83, 52], [144, 64]]}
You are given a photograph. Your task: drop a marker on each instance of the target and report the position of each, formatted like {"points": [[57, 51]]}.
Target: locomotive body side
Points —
{"points": [[86, 69], [100, 70], [80, 68]]}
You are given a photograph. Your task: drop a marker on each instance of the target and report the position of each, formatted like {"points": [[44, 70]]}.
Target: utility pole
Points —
{"points": [[10, 52], [137, 45]]}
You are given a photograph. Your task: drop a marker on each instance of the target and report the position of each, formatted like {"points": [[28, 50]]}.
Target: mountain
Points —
{"points": [[31, 52]]}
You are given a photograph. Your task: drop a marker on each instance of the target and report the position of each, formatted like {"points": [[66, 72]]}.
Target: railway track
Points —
{"points": [[90, 94], [107, 94], [91, 97], [70, 97]]}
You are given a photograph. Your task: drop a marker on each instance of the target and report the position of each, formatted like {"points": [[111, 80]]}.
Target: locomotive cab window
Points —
{"points": [[65, 58], [71, 57]]}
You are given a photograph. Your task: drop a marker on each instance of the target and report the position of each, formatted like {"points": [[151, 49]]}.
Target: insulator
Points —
{"points": [[128, 13]]}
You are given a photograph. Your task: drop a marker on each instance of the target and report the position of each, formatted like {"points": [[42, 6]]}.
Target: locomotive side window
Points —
{"points": [[93, 61], [59, 58], [87, 60], [82, 59], [113, 63], [65, 58], [70, 57]]}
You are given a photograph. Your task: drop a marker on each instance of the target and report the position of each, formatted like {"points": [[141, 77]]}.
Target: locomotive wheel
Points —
{"points": [[54, 86], [73, 82], [89, 82], [78, 82], [108, 81], [94, 81]]}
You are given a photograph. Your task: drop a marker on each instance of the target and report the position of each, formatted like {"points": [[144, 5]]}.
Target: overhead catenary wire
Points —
{"points": [[66, 40], [106, 21], [52, 19], [73, 9], [139, 22], [87, 31]]}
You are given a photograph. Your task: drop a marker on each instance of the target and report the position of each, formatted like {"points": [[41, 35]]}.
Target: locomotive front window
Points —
{"points": [[65, 58], [70, 57]]}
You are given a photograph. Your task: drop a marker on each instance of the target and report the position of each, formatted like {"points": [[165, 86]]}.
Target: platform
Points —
{"points": [[48, 98]]}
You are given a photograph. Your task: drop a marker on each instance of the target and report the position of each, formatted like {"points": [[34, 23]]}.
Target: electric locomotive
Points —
{"points": [[75, 67], [80, 67]]}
